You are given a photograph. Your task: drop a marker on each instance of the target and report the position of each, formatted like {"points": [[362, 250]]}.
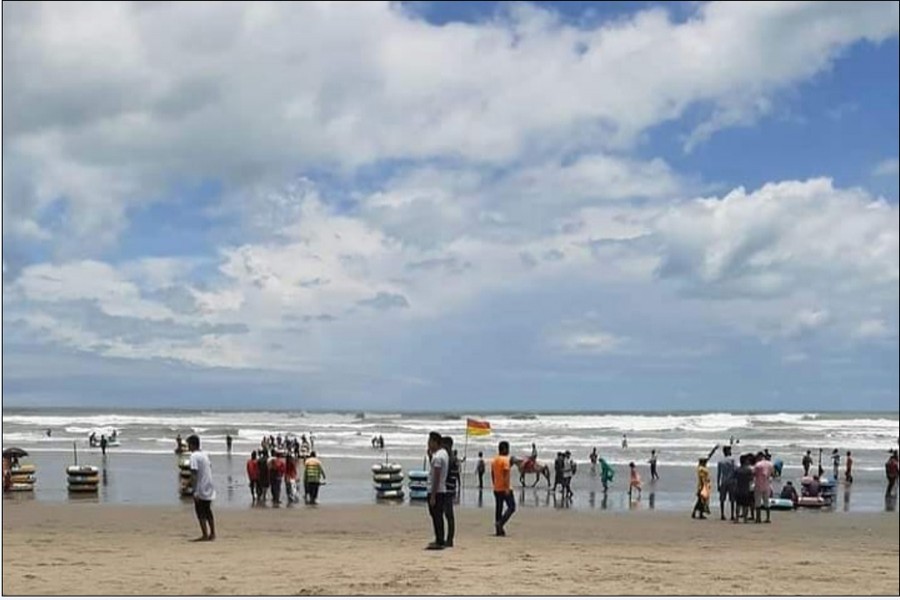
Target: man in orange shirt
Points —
{"points": [[501, 468]]}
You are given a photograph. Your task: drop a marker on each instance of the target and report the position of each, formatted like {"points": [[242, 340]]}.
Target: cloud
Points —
{"points": [[385, 301], [788, 260], [805, 321], [592, 342], [889, 167], [873, 329], [783, 237], [113, 105], [383, 181]]}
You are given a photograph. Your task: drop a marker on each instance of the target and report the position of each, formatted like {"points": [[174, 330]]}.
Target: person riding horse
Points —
{"points": [[531, 460]]}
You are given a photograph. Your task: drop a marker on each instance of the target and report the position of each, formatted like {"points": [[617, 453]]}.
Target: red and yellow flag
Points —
{"points": [[475, 428]]}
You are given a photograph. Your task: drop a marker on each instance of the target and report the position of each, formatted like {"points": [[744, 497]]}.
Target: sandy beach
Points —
{"points": [[123, 550]]}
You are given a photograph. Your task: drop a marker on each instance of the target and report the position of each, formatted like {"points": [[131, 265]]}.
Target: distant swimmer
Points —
{"points": [[49, 433], [624, 441]]}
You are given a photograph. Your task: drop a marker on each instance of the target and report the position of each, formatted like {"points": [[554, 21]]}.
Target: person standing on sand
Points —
{"points": [[743, 487], [725, 482], [807, 463], [593, 458], [848, 468], [501, 469], [479, 470], [103, 444], [762, 487], [253, 475], [892, 472], [276, 476], [204, 492], [440, 467], [228, 442], [653, 473], [290, 478], [452, 490], [701, 507], [262, 477], [313, 475]]}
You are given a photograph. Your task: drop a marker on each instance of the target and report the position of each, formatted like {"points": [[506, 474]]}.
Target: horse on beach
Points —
{"points": [[527, 466]]}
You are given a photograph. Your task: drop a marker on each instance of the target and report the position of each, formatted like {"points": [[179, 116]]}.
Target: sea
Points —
{"points": [[143, 468]]}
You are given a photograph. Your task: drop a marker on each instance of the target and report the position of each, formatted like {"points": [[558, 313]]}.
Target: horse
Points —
{"points": [[527, 466]]}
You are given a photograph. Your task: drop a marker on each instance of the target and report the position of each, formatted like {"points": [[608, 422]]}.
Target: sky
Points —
{"points": [[451, 206]]}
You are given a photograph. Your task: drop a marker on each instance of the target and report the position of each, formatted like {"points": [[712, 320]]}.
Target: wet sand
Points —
{"points": [[53, 549]]}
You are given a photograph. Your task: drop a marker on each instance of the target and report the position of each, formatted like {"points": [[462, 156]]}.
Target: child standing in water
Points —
{"points": [[634, 482]]}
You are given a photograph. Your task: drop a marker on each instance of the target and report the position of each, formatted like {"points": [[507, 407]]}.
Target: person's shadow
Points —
{"points": [[890, 503]]}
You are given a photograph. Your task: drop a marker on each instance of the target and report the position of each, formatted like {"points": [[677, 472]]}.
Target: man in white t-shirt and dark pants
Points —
{"points": [[204, 492], [437, 497]]}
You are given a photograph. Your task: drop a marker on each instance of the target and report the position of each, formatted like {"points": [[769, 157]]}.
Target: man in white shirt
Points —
{"points": [[437, 497], [204, 492]]}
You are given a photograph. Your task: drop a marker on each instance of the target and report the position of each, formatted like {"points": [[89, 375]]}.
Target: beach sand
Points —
{"points": [[78, 549]]}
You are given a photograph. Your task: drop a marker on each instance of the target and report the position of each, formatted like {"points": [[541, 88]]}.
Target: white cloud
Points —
{"points": [[783, 237], [88, 280], [591, 342], [504, 163], [872, 329], [889, 167], [113, 104], [789, 260], [807, 320]]}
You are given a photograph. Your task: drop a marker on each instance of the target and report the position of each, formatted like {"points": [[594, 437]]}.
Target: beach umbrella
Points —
{"points": [[14, 453]]}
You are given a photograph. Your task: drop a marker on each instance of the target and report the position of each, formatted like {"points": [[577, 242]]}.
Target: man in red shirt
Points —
{"points": [[276, 476], [290, 480], [253, 474]]}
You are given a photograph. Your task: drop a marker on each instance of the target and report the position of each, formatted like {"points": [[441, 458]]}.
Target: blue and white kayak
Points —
{"points": [[781, 504]]}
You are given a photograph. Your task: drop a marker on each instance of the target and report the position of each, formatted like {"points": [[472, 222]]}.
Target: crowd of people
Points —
{"points": [[278, 463], [744, 488]]}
